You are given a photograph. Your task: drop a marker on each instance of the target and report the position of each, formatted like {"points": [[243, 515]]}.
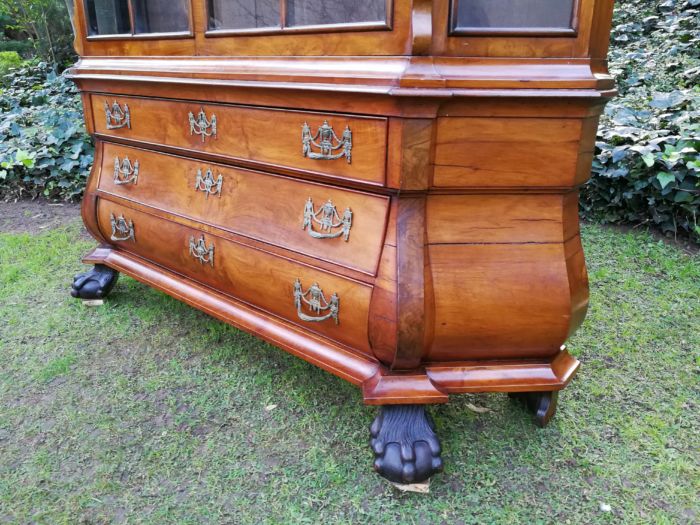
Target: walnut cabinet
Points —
{"points": [[386, 189]]}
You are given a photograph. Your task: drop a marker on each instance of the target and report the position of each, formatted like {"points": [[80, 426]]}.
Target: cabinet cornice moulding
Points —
{"points": [[369, 74]]}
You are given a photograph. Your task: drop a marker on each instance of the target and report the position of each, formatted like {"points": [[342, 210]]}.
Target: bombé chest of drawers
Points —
{"points": [[387, 190]]}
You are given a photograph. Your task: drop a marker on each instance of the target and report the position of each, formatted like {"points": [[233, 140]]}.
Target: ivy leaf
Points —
{"points": [[25, 158], [619, 153], [682, 196], [667, 100], [648, 159], [67, 165], [665, 178]]}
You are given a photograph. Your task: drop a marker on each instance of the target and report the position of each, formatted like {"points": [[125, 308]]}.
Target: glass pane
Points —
{"points": [[243, 14], [108, 17], [161, 16], [513, 14], [319, 12]]}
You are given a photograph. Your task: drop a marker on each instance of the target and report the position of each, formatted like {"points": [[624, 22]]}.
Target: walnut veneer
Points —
{"points": [[432, 248]]}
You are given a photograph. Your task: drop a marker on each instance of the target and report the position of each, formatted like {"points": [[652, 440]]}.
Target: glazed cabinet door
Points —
{"points": [[273, 14], [160, 16], [511, 15], [322, 12], [243, 14], [108, 17], [137, 17]]}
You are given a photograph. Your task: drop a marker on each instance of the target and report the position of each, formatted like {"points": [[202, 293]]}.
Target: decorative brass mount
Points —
{"points": [[315, 301]]}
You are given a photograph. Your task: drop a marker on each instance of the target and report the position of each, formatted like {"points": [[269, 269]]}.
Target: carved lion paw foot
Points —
{"points": [[405, 445], [95, 283], [542, 404]]}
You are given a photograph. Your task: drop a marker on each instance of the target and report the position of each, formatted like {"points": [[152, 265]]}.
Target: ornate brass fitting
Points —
{"points": [[315, 301], [202, 126], [125, 172], [199, 250], [122, 230], [117, 117], [327, 218], [208, 184], [330, 145]]}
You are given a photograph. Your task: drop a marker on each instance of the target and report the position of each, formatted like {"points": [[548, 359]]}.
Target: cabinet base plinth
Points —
{"points": [[430, 384]]}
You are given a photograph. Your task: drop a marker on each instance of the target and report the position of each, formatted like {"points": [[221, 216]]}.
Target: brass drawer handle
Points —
{"points": [[117, 117], [327, 218], [121, 229], [125, 172], [208, 184], [331, 147], [315, 301], [199, 250], [202, 126]]}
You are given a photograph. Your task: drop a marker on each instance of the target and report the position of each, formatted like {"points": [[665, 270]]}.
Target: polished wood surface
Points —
{"points": [[512, 152], [252, 204], [379, 385], [499, 301], [264, 135], [463, 269], [414, 298], [504, 375], [252, 275], [503, 218]]}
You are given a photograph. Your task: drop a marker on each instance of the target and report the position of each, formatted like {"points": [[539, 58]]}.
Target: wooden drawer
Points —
{"points": [[256, 277], [269, 136], [261, 206]]}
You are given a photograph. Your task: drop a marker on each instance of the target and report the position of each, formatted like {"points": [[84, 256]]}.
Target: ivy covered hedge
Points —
{"points": [[647, 168], [44, 149]]}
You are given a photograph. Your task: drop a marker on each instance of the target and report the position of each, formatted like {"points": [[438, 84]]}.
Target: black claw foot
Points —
{"points": [[94, 284], [542, 404], [405, 445]]}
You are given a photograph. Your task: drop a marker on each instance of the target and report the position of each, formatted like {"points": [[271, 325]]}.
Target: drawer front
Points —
{"points": [[319, 301], [329, 144], [288, 213]]}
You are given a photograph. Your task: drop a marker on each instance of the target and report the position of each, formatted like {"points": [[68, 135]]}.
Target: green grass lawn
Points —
{"points": [[147, 411]]}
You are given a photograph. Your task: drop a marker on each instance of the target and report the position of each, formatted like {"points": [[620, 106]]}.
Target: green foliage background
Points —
{"points": [[44, 149], [646, 169], [9, 60], [43, 25]]}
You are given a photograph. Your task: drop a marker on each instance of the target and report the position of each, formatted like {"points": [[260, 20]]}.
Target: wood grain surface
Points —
{"points": [[265, 135], [253, 276], [254, 204]]}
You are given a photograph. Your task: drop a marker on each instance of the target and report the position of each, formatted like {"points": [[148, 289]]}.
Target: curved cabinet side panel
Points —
{"points": [[88, 209], [578, 282], [499, 301], [383, 322]]}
